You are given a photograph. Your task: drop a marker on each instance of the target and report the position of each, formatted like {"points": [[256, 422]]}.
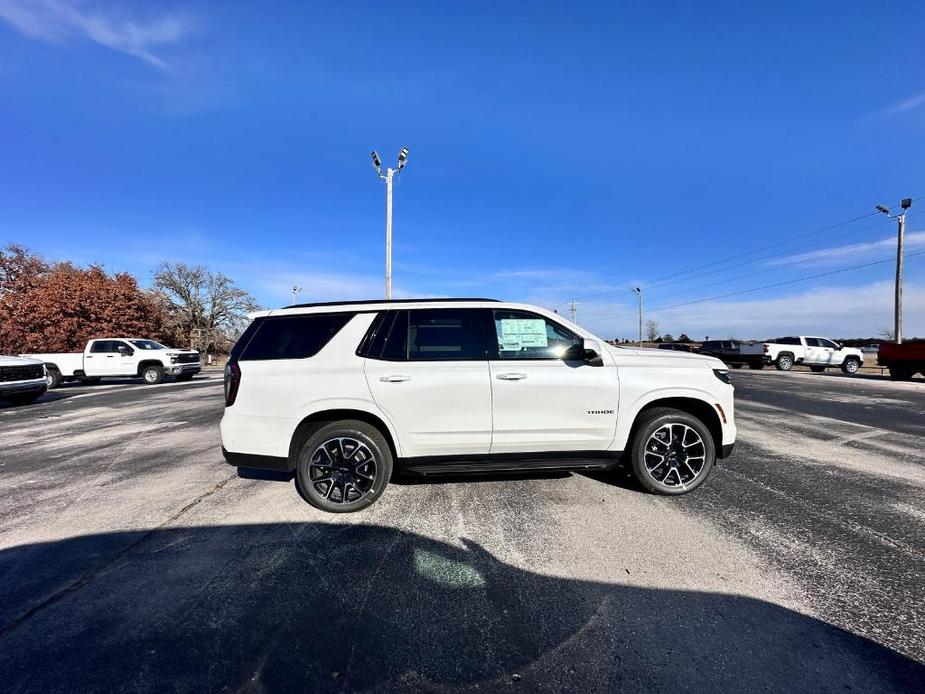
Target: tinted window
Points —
{"points": [[244, 339], [523, 335], [812, 342], [444, 335], [103, 346], [827, 343], [712, 344], [787, 341], [396, 343], [293, 337]]}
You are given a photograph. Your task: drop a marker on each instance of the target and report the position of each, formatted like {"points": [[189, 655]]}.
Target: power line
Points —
{"points": [[658, 281], [767, 286]]}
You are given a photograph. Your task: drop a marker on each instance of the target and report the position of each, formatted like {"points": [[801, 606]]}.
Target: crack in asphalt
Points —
{"points": [[90, 575]]}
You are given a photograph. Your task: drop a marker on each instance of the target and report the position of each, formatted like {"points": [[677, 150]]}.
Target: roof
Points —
{"points": [[384, 301]]}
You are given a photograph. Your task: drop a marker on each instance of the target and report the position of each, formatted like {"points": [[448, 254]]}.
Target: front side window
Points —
{"points": [[827, 343], [148, 344], [293, 337], [524, 335]]}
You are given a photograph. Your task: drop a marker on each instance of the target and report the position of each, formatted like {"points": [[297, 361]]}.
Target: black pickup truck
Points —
{"points": [[727, 350]]}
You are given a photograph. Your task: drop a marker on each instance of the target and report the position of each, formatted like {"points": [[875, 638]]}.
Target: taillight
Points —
{"points": [[232, 381]]}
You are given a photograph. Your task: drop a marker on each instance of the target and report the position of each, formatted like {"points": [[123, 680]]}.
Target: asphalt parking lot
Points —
{"points": [[133, 558]]}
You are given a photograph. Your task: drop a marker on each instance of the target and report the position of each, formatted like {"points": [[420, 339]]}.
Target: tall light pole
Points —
{"points": [[904, 205], [295, 292], [573, 307], [638, 292], [387, 177]]}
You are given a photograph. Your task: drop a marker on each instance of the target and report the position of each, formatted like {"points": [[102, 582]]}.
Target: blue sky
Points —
{"points": [[558, 151]]}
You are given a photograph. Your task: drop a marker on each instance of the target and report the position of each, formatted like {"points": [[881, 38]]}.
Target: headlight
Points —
{"points": [[723, 375], [173, 358]]}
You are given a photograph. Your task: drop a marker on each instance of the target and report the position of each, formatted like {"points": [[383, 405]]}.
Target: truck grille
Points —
{"points": [[21, 373], [187, 358]]}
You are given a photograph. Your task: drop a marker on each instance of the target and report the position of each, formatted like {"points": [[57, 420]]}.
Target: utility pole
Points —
{"points": [[388, 177], [574, 309], [295, 292], [638, 292], [904, 205]]}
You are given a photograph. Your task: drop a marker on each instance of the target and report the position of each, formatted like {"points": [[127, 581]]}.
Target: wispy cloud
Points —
{"points": [[854, 250], [838, 312], [903, 106], [59, 21]]}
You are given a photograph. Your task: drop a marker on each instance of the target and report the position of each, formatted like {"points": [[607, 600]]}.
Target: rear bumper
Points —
{"points": [[256, 462], [37, 385]]}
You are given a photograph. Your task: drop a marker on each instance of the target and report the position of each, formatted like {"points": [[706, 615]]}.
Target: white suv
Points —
{"points": [[340, 394]]}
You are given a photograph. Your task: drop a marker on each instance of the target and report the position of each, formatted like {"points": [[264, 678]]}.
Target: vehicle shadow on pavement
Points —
{"points": [[325, 607]]}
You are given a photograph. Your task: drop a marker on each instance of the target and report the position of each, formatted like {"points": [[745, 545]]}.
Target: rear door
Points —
{"points": [[815, 352], [428, 371], [540, 400], [97, 357]]}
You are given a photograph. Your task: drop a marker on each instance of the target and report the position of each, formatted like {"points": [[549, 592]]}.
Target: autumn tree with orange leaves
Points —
{"points": [[58, 307]]}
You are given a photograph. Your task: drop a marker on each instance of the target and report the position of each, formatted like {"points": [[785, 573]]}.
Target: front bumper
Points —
{"points": [[31, 386], [178, 369]]}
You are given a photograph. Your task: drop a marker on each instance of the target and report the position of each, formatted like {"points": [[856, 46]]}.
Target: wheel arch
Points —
{"points": [[144, 364], [696, 407], [312, 421]]}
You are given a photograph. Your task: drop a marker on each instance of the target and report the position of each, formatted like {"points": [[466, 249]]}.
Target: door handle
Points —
{"points": [[110, 356], [394, 379], [512, 377]]}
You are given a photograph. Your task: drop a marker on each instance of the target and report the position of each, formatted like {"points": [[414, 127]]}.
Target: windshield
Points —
{"points": [[148, 344]]}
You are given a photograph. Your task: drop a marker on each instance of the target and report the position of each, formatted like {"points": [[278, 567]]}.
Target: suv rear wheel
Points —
{"points": [[672, 452], [344, 466]]}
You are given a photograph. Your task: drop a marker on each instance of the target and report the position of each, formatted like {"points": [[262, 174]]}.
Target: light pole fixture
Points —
{"points": [[904, 205], [638, 292], [387, 177]]}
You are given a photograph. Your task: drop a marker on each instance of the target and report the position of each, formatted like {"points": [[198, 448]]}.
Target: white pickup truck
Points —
{"points": [[120, 357], [22, 381], [818, 353]]}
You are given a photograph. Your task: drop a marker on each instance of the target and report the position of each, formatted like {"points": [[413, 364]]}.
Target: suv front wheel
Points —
{"points": [[344, 466], [672, 452]]}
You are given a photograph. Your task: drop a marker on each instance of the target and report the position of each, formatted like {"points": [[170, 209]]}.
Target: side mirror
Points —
{"points": [[125, 351], [591, 353]]}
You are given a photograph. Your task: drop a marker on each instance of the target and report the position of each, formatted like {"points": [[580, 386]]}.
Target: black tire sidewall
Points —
{"points": [[361, 431], [55, 378], [646, 428]]}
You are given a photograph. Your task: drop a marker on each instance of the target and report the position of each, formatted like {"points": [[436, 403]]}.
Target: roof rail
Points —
{"points": [[386, 301]]}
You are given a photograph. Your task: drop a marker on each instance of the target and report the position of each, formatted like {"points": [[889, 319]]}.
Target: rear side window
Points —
{"points": [[293, 337], [431, 335], [245, 339]]}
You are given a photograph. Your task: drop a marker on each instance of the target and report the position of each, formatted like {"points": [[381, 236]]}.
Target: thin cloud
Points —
{"points": [[58, 21], [827, 255], [901, 107]]}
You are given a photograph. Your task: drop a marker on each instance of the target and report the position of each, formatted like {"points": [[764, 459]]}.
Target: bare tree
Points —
{"points": [[651, 330], [204, 309], [887, 334]]}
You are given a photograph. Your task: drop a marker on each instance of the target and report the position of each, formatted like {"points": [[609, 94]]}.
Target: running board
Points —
{"points": [[508, 463]]}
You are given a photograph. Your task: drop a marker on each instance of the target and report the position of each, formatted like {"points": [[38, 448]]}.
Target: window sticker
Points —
{"points": [[520, 333]]}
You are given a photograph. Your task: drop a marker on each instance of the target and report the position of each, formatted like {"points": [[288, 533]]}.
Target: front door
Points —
{"points": [[124, 362], [430, 376], [541, 401]]}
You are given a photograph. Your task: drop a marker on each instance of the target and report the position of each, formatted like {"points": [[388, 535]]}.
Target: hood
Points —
{"points": [[669, 357], [18, 361]]}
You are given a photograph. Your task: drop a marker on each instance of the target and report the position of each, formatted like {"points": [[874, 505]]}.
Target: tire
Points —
{"points": [[52, 378], [682, 474], [152, 374], [736, 366], [25, 398], [784, 362], [817, 369], [900, 373], [851, 365], [337, 442], [183, 377], [755, 366]]}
